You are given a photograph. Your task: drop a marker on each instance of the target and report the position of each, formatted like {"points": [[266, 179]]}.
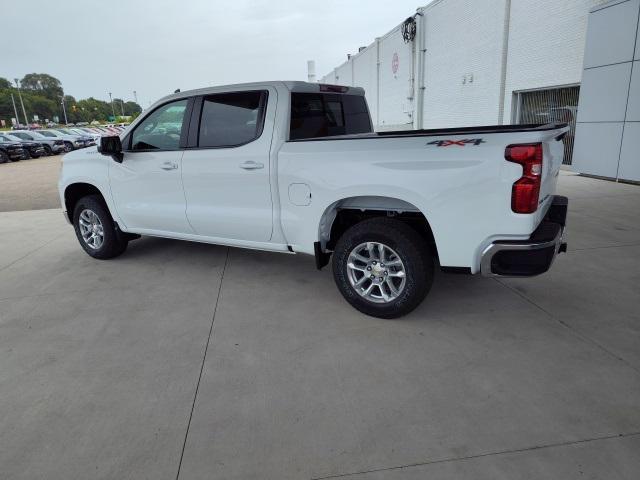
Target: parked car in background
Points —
{"points": [[71, 131], [10, 151], [32, 149], [52, 146], [92, 131], [95, 138], [71, 142]]}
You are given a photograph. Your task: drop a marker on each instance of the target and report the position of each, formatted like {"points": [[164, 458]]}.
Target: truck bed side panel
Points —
{"points": [[461, 183]]}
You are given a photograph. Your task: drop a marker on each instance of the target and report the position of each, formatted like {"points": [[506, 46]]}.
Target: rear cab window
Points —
{"points": [[316, 115]]}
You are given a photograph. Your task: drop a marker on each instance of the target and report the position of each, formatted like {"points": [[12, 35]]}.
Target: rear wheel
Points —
{"points": [[383, 267], [95, 229]]}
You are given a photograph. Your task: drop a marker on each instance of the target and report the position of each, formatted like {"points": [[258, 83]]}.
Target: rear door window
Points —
{"points": [[231, 119], [315, 115]]}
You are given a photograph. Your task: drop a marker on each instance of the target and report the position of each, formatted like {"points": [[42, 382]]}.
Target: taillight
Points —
{"points": [[526, 191]]}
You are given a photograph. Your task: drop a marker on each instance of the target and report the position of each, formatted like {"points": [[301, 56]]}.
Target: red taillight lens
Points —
{"points": [[526, 191]]}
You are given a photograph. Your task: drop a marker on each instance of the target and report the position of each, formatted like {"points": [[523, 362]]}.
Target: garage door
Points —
{"points": [[553, 105]]}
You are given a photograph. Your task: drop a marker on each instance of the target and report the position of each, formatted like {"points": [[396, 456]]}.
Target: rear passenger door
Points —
{"points": [[225, 169]]}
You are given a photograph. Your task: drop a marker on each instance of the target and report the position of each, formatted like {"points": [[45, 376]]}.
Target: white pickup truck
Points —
{"points": [[295, 167]]}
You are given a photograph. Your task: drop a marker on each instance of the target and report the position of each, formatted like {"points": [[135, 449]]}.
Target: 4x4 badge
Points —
{"points": [[460, 143]]}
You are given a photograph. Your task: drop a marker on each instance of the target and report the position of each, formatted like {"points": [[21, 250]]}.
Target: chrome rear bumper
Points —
{"points": [[526, 258]]}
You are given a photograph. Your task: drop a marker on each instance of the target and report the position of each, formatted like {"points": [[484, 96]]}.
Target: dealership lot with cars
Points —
{"points": [[24, 144], [240, 364]]}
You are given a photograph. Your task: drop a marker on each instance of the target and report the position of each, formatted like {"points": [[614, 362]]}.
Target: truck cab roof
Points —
{"points": [[291, 85]]}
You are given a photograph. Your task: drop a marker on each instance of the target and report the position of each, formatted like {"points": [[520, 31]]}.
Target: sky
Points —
{"points": [[157, 46]]}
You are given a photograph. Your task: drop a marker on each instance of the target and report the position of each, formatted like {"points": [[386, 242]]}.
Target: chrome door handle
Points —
{"points": [[251, 165], [169, 166]]}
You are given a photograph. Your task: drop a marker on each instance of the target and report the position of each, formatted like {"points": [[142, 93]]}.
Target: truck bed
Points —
{"points": [[437, 132]]}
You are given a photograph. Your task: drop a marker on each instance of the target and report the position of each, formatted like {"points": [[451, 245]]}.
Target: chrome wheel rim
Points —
{"points": [[91, 229], [376, 272]]}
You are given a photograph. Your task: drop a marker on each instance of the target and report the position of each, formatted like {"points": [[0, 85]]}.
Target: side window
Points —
{"points": [[231, 119], [161, 129], [315, 115]]}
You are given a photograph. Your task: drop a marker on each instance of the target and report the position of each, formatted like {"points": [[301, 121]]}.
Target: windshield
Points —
{"points": [[45, 133], [20, 135], [66, 132]]}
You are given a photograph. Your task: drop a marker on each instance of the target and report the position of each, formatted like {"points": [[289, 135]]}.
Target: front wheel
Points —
{"points": [[47, 151], [4, 158], [383, 267], [68, 146], [96, 231]]}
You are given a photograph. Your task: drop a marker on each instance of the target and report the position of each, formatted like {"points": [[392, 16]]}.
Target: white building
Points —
{"points": [[476, 62], [608, 128]]}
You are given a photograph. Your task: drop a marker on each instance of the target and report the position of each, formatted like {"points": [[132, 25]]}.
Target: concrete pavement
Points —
{"points": [[30, 184], [205, 362]]}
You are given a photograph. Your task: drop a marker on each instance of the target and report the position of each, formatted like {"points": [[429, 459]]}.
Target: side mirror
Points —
{"points": [[111, 146]]}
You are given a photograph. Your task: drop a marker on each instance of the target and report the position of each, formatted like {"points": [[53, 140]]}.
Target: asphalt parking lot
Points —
{"points": [[196, 361]]}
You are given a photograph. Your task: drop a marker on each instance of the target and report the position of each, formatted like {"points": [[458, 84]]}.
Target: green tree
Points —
{"points": [[132, 108], [43, 107], [44, 84], [42, 94]]}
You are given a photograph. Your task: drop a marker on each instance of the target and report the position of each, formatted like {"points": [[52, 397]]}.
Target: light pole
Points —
{"points": [[122, 106], [64, 110], [26, 120], [113, 111], [15, 110], [135, 96]]}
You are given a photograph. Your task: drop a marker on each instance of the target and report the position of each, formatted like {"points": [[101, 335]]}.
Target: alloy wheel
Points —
{"points": [[91, 229], [376, 272]]}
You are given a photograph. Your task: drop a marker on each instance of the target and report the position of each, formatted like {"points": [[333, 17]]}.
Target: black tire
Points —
{"points": [[411, 248], [68, 146], [47, 151], [4, 158], [114, 241]]}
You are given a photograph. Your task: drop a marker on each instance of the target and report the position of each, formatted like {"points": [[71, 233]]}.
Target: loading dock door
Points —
{"points": [[553, 105]]}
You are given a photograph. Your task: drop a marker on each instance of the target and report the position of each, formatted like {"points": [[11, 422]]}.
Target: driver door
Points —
{"points": [[147, 185]]}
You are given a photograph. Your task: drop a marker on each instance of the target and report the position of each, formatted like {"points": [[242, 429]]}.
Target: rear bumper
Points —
{"points": [[526, 258]]}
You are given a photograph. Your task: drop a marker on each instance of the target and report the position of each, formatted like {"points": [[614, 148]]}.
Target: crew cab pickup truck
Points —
{"points": [[295, 167]]}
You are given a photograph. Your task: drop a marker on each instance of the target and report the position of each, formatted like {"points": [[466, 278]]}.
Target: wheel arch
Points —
{"points": [[343, 213], [75, 191]]}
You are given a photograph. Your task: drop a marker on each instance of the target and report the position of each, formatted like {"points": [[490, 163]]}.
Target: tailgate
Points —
{"points": [[553, 154]]}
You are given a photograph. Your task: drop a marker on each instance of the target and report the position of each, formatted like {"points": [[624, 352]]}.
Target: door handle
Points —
{"points": [[251, 165], [169, 166]]}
